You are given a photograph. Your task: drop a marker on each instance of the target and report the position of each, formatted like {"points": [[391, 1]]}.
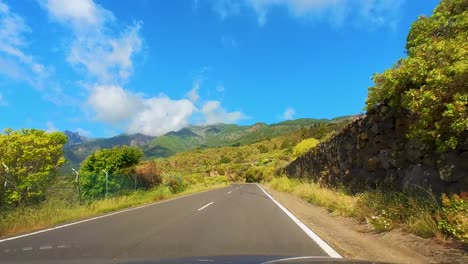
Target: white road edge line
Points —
{"points": [[205, 206], [322, 244], [294, 258], [102, 216]]}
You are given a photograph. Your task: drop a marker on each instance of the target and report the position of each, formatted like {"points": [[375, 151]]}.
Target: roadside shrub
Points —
{"points": [[453, 219], [304, 146], [284, 184], [253, 174], [175, 183], [148, 174], [379, 222], [93, 185]]}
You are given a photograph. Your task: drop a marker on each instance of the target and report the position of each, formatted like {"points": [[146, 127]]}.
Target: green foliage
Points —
{"points": [[380, 222], [114, 160], [262, 149], [224, 159], [253, 174], [454, 217], [432, 81], [118, 162], [175, 183], [304, 146], [32, 157]]}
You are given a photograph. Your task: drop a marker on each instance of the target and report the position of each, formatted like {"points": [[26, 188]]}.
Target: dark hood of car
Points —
{"points": [[249, 259]]}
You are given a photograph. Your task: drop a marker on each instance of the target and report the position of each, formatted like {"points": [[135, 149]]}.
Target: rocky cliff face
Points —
{"points": [[74, 138], [373, 151]]}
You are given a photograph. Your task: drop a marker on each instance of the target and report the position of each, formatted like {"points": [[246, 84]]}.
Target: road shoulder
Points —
{"points": [[351, 240]]}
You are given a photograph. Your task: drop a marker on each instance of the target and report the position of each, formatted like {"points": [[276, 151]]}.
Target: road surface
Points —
{"points": [[240, 219]]}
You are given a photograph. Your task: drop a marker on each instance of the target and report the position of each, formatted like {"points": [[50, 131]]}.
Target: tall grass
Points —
{"points": [[419, 212], [59, 211]]}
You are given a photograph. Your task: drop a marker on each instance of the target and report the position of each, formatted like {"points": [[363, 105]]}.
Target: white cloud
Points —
{"points": [[113, 104], [154, 115], [220, 88], [213, 113], [371, 12], [193, 93], [99, 46], [150, 116], [227, 8], [161, 115], [50, 127], [15, 62], [289, 113], [81, 14]]}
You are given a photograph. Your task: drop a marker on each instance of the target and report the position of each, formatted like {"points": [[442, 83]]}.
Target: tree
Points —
{"points": [[432, 82], [118, 162], [29, 160], [304, 146]]}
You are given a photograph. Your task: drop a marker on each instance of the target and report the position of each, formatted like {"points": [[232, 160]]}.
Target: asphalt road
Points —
{"points": [[237, 220]]}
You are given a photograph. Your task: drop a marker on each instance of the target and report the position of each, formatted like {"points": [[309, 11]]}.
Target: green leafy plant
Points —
{"points": [[380, 222], [304, 146], [29, 159], [432, 81], [118, 162], [175, 183], [453, 220]]}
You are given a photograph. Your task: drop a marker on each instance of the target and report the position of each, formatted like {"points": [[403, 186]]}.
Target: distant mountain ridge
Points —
{"points": [[188, 138], [74, 138]]}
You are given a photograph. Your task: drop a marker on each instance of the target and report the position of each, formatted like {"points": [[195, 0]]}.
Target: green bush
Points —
{"points": [[304, 146], [432, 81], [453, 219], [29, 159], [224, 159], [175, 183]]}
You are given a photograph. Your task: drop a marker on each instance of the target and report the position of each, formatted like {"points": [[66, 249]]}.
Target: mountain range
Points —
{"points": [[79, 147]]}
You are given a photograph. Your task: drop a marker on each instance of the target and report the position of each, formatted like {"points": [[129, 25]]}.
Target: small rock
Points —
{"points": [[375, 128]]}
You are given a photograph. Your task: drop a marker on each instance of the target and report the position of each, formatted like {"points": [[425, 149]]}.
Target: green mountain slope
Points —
{"points": [[193, 137]]}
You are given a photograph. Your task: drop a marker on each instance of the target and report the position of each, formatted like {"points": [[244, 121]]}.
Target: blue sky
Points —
{"points": [[107, 67]]}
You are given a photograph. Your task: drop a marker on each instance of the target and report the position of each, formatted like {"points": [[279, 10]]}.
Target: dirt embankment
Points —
{"points": [[351, 239]]}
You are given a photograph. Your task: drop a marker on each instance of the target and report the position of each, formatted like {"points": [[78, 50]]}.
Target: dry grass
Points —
{"points": [[381, 211]]}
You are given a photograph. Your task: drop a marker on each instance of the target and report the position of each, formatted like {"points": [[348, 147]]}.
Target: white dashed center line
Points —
{"points": [[205, 206], [27, 248], [45, 247], [229, 192]]}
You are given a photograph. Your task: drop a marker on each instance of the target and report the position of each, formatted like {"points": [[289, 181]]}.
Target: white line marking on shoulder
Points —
{"points": [[322, 244]]}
